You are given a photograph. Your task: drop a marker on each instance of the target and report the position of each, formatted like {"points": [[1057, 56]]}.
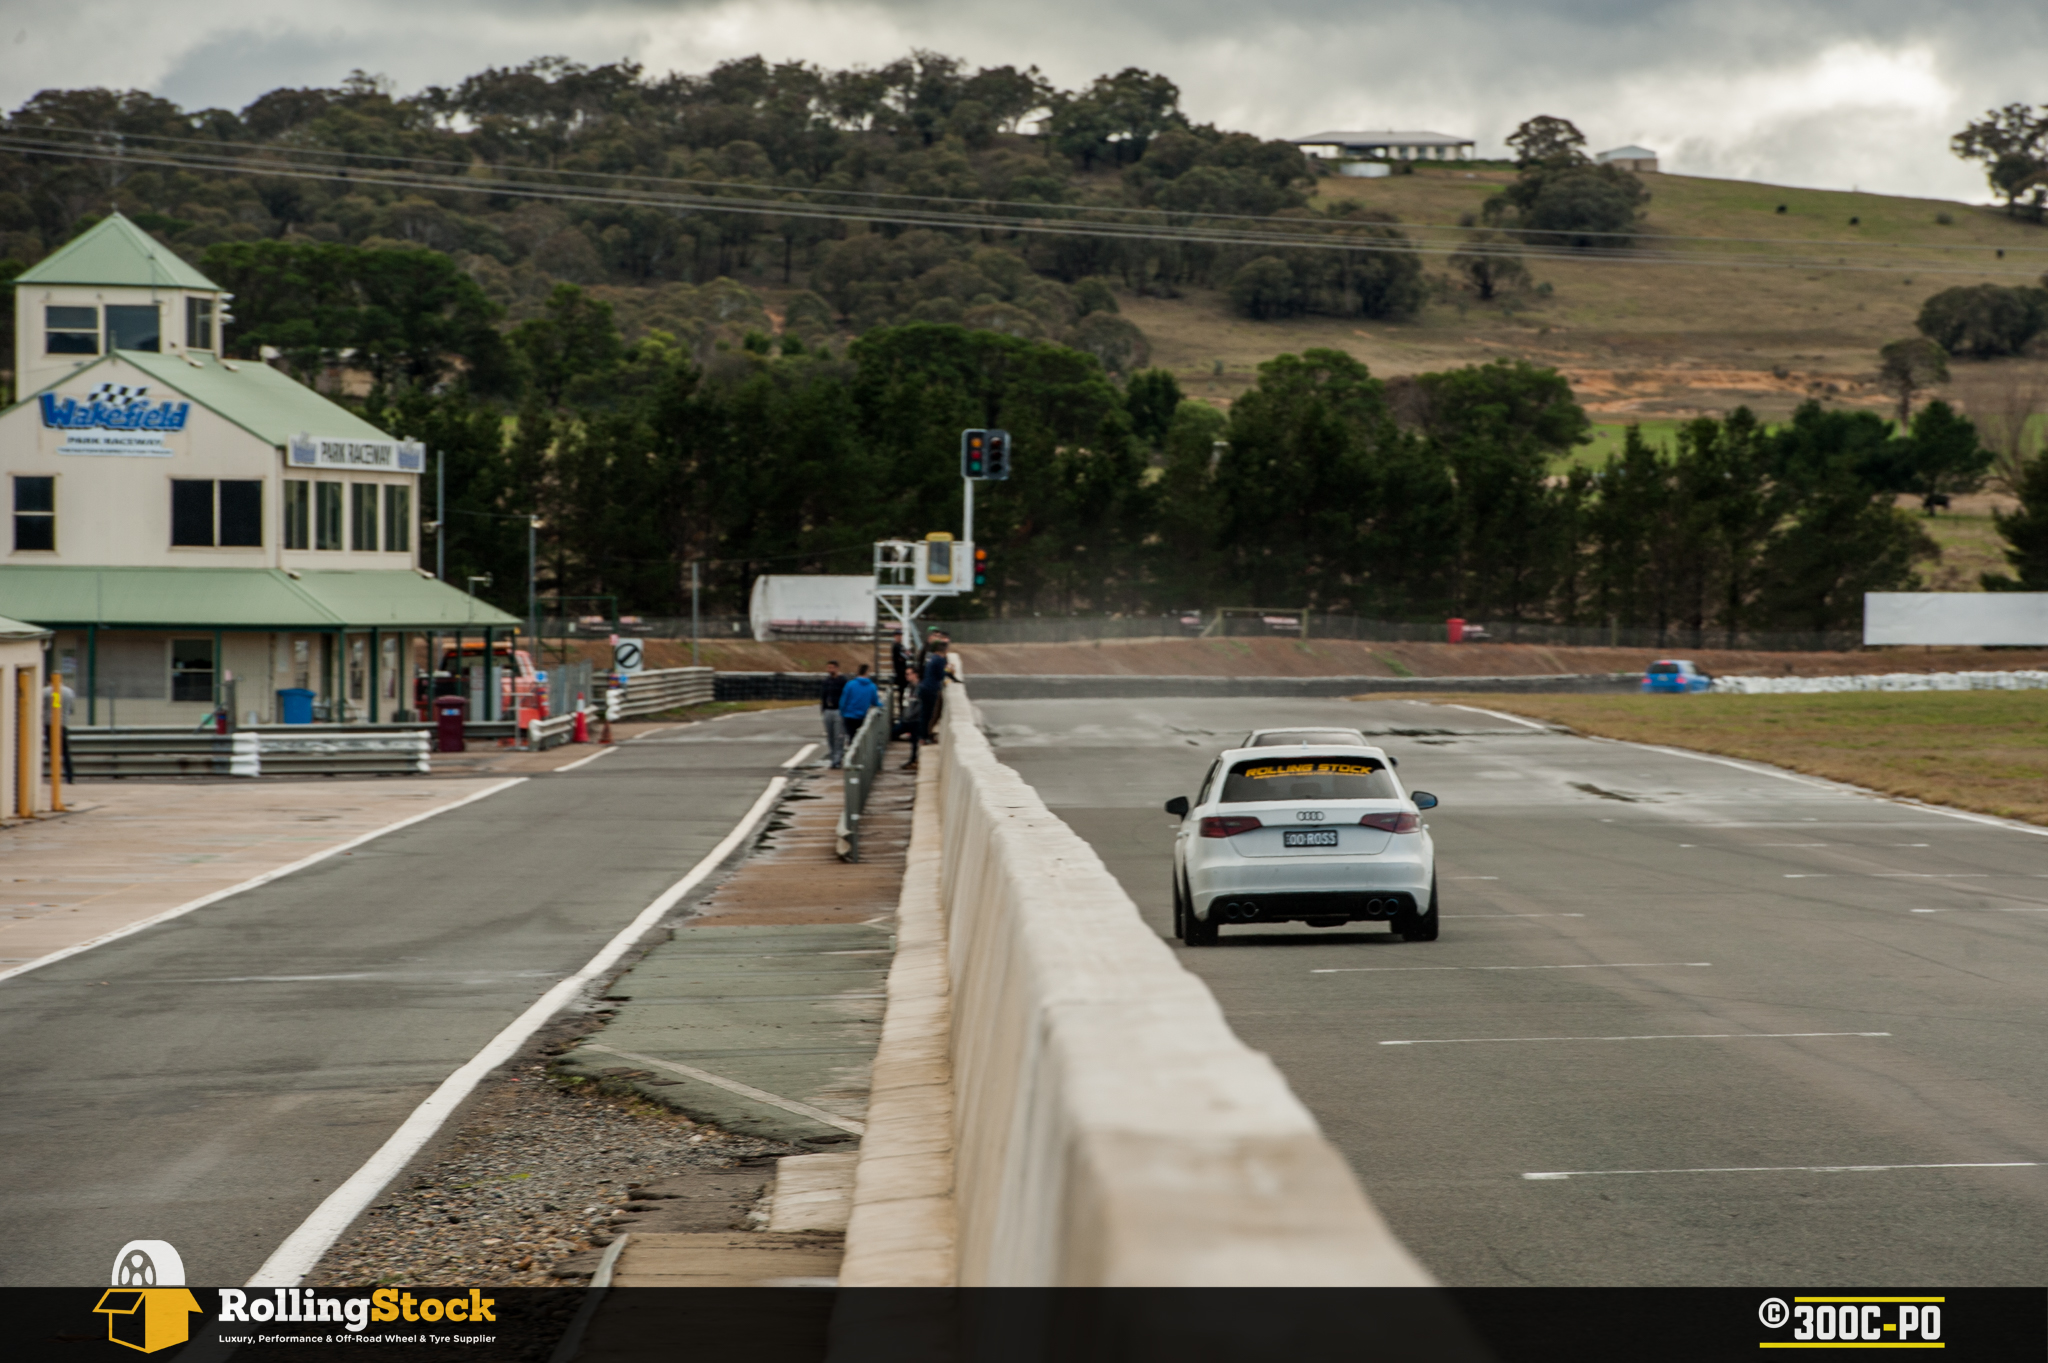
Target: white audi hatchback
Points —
{"points": [[1319, 834]]}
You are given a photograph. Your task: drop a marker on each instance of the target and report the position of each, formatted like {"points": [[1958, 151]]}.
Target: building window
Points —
{"points": [[362, 515], [298, 514], [327, 516], [192, 512], [72, 331], [358, 666], [228, 513], [199, 324], [134, 326], [387, 671], [398, 519], [192, 669], [35, 512]]}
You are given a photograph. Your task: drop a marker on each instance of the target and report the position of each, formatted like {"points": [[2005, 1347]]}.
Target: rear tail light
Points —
{"points": [[1228, 826], [1402, 822]]}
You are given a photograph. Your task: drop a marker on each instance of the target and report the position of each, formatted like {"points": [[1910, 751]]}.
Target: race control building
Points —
{"points": [[197, 531]]}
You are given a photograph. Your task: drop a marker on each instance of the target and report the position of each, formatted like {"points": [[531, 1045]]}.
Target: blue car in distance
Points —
{"points": [[1676, 677]]}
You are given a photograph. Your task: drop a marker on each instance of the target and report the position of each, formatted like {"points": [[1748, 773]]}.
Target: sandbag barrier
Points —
{"points": [[1110, 1129]]}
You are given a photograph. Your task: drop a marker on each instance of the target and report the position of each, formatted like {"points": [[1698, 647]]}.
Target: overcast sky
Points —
{"points": [[1829, 93]]}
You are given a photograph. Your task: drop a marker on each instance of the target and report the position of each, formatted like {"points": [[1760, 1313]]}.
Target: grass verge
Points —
{"points": [[1985, 751]]}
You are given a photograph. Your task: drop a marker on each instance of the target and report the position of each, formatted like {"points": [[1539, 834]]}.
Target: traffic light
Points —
{"points": [[997, 460], [980, 567], [974, 454]]}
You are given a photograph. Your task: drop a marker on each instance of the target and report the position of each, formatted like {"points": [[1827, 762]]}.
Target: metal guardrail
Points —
{"points": [[300, 750], [652, 692], [863, 767], [543, 734]]}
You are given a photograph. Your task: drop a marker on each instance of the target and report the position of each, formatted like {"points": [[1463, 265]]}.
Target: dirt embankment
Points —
{"points": [[1339, 658]]}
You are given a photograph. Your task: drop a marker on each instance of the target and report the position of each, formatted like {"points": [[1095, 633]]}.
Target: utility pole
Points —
{"points": [[695, 585], [441, 515]]}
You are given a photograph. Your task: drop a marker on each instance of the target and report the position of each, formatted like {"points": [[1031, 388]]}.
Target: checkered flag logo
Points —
{"points": [[119, 395]]}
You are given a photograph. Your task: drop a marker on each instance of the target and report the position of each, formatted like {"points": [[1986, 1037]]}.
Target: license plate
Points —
{"points": [[1322, 837]]}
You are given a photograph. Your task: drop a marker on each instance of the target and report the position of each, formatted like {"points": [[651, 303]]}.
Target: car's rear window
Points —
{"points": [[1307, 778], [1663, 669], [1296, 737]]}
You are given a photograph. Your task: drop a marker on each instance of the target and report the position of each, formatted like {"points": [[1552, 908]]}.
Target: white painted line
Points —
{"points": [[1932, 875], [1616, 965], [801, 755], [586, 761], [1789, 1169], [1474, 877], [1676, 1036], [1512, 915], [1512, 719], [302, 1249], [301, 864], [735, 1086]]}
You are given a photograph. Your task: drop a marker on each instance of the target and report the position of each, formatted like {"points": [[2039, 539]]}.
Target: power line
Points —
{"points": [[1336, 235]]}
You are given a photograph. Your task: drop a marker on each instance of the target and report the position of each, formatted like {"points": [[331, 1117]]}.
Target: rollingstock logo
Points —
{"points": [[1852, 1322], [114, 407]]}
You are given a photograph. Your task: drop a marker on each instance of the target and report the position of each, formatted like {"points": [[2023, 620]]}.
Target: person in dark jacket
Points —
{"points": [[930, 688], [828, 706]]}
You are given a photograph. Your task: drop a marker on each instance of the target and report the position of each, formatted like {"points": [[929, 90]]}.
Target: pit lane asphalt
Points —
{"points": [[1580, 882], [209, 1080]]}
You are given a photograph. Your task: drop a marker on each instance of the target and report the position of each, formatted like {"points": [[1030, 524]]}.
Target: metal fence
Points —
{"points": [[1238, 624], [567, 682], [863, 768]]}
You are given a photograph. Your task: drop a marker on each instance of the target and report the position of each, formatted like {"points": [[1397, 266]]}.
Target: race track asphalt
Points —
{"points": [[1632, 940], [208, 1081]]}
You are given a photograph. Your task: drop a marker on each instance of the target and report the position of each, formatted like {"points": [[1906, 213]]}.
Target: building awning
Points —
{"points": [[57, 597], [14, 630]]}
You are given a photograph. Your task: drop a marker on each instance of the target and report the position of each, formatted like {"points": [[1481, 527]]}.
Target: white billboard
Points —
{"points": [[813, 603], [1956, 618]]}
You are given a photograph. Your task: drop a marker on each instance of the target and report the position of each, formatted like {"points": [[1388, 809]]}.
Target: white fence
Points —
{"points": [[650, 693], [1882, 681], [1110, 1128]]}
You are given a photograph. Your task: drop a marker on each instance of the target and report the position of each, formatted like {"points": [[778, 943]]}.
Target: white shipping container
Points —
{"points": [[812, 604]]}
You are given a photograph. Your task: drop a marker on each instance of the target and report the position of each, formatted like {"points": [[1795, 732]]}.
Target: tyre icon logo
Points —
{"points": [[135, 1269], [1774, 1313]]}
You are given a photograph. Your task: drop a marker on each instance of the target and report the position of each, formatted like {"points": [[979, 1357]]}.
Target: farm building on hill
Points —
{"points": [[1390, 145], [1629, 158]]}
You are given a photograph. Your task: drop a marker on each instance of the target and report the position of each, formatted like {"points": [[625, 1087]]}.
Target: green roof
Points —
{"points": [[240, 598], [273, 407], [118, 253]]}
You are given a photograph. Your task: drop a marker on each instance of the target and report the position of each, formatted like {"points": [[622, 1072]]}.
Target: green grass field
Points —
{"points": [[1979, 750]]}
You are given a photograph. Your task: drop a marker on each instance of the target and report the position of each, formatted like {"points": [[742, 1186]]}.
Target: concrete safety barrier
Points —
{"points": [[2019, 680], [652, 692], [1018, 686], [1110, 1129]]}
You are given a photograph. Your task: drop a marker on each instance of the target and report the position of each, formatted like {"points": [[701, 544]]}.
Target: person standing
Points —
{"points": [[899, 666], [857, 699], [65, 715], [930, 686], [828, 705]]}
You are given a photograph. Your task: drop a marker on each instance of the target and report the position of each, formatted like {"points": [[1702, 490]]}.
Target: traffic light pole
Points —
{"points": [[968, 529]]}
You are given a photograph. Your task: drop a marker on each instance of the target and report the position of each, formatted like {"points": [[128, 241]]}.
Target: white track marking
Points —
{"points": [[1676, 1036], [1616, 965], [586, 761], [1514, 915], [735, 1086], [1788, 1169], [1512, 719], [801, 755], [303, 1248], [1474, 877], [301, 864]]}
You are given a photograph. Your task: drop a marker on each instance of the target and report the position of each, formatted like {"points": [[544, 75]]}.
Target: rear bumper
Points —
{"points": [[1351, 906]]}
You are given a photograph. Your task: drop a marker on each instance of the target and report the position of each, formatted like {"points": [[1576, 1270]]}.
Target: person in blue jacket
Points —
{"points": [[856, 700]]}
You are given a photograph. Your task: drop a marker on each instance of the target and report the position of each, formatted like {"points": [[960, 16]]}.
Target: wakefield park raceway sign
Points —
{"points": [[115, 418], [316, 452]]}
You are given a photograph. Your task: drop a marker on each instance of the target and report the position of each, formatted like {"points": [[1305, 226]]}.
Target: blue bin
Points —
{"points": [[295, 705]]}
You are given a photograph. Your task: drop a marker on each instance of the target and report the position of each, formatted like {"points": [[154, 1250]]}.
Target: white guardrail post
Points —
{"points": [[1110, 1128]]}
